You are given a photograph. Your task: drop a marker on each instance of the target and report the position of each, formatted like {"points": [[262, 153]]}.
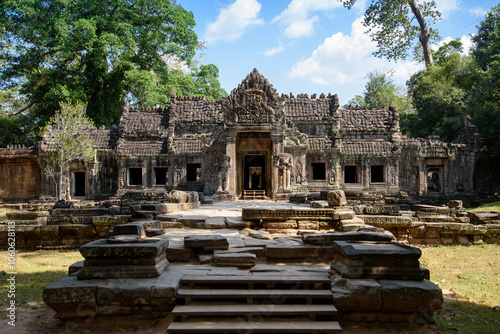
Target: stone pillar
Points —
{"points": [[422, 178], [232, 172]]}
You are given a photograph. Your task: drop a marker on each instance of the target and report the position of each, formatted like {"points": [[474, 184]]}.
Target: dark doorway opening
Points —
{"points": [[193, 172], [254, 175], [79, 184]]}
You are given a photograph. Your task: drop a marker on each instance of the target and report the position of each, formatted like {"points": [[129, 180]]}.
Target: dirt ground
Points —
{"points": [[40, 320]]}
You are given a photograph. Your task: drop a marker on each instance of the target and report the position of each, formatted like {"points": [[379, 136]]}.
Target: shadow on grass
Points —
{"points": [[458, 316]]}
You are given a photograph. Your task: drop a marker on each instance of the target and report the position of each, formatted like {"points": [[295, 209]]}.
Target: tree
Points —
{"points": [[391, 25], [97, 52], [439, 94], [485, 97], [68, 132], [382, 92]]}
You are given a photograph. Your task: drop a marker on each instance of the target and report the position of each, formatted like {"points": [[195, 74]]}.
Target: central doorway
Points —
{"points": [[254, 163], [254, 172], [78, 184]]}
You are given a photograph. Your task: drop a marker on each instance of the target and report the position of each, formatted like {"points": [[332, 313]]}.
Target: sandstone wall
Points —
{"points": [[20, 178]]}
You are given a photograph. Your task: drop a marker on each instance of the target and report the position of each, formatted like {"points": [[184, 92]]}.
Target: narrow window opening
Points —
{"points": [[161, 175], [318, 171], [377, 174], [135, 176], [350, 174], [193, 172]]}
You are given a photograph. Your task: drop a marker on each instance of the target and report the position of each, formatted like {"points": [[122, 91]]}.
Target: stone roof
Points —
{"points": [[205, 111], [189, 145], [18, 151], [319, 143], [364, 147], [149, 147], [301, 107], [103, 139], [140, 124], [363, 120]]}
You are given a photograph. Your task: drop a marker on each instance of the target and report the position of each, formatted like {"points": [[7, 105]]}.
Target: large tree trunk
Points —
{"points": [[424, 33]]}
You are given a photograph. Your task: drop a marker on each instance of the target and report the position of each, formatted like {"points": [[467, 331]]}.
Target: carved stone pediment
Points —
{"points": [[254, 102]]}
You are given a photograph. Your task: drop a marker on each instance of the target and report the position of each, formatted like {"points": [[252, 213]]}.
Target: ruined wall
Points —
{"points": [[486, 177], [20, 175]]}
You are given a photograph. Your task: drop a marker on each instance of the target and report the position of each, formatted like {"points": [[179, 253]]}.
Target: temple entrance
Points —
{"points": [[78, 184], [254, 164], [254, 172]]}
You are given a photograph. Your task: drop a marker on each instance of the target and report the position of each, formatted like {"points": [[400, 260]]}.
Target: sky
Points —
{"points": [[310, 46]]}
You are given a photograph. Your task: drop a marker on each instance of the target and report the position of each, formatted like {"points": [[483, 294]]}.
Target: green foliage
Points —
{"points": [[99, 53], [68, 130], [399, 26], [439, 95], [485, 98], [382, 92], [357, 100]]}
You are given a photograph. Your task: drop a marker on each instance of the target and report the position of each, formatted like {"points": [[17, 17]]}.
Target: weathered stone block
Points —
{"points": [[378, 260], [390, 210], [281, 225], [336, 198], [131, 228], [124, 296], [329, 238], [215, 241], [241, 260], [357, 294], [215, 223], [307, 225], [49, 232], [410, 296], [72, 298]]}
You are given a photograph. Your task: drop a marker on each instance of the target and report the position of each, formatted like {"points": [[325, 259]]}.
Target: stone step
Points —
{"points": [[268, 279], [266, 310], [250, 295], [287, 326]]}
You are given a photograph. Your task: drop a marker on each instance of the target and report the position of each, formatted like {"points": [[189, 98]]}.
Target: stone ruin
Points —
{"points": [[320, 266], [253, 143]]}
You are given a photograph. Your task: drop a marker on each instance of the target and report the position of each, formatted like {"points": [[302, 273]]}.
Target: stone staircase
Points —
{"points": [[261, 303], [254, 194]]}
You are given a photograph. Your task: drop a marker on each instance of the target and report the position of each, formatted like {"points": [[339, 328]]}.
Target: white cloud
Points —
{"points": [[346, 59], [273, 51], [479, 11], [296, 17], [447, 6], [233, 20], [466, 42]]}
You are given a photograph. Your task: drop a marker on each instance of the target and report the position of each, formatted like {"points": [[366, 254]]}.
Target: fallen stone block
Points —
{"points": [[72, 298], [410, 296], [357, 294], [240, 260], [330, 237], [214, 241], [215, 223]]}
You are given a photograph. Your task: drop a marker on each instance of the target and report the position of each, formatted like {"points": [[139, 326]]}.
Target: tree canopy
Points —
{"points": [[396, 24], [100, 52]]}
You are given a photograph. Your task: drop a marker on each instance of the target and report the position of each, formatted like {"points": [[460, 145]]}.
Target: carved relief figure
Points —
{"points": [[222, 163], [284, 162]]}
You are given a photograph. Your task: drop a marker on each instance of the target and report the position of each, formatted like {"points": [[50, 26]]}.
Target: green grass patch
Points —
{"points": [[35, 270], [470, 278], [494, 206]]}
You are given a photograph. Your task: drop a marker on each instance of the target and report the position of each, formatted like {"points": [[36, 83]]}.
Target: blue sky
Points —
{"points": [[309, 46]]}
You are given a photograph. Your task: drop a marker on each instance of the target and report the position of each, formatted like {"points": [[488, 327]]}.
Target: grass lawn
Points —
{"points": [[493, 206], [469, 276]]}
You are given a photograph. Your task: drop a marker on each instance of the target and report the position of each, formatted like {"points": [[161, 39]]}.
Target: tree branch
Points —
{"points": [[425, 34], [20, 109]]}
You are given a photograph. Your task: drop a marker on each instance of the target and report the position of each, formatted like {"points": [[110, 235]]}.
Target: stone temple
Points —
{"points": [[255, 143]]}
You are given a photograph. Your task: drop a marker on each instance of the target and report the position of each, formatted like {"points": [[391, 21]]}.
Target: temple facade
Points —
{"points": [[255, 143]]}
